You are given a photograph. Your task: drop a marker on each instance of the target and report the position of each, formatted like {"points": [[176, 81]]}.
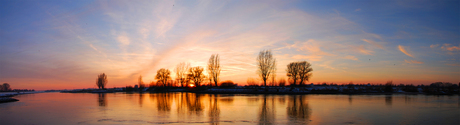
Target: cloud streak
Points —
{"points": [[403, 50], [413, 62]]}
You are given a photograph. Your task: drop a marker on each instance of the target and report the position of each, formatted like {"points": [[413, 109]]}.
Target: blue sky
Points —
{"points": [[65, 44]]}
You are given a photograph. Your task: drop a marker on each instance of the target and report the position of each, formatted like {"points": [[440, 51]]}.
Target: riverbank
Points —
{"points": [[7, 96], [347, 90], [7, 99]]}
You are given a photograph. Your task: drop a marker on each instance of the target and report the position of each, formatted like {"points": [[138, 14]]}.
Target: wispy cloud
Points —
{"points": [[402, 49], [350, 57], [309, 57], [413, 62], [363, 50], [374, 43], [310, 46], [359, 9]]}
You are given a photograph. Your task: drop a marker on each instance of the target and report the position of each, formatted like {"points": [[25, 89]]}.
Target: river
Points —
{"points": [[190, 108]]}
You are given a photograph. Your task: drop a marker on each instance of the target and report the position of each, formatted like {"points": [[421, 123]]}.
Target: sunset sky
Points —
{"points": [[66, 44]]}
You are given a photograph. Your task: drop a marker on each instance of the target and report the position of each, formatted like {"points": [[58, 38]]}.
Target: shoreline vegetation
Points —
{"points": [[300, 89]]}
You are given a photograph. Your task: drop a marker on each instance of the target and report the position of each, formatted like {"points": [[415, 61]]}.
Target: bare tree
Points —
{"points": [[181, 72], [266, 64], [273, 76], [141, 83], [214, 68], [304, 71], [196, 75], [101, 81], [163, 75], [293, 72], [299, 71]]}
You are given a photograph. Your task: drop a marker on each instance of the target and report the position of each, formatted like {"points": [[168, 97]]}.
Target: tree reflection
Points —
{"points": [[164, 101], [214, 110], [141, 99], [267, 113], [102, 100], [298, 109], [194, 103], [388, 100], [350, 99]]}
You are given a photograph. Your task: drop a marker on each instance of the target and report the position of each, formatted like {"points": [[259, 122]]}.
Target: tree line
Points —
{"points": [[187, 75]]}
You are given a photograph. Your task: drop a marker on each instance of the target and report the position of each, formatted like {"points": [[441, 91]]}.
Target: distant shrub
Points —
{"points": [[251, 82], [389, 86], [282, 82], [227, 83]]}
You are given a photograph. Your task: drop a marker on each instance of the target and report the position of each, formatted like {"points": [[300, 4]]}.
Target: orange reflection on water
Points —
{"points": [[191, 108]]}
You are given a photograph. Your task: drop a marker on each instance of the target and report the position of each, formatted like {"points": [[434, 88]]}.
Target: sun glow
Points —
{"points": [[191, 85]]}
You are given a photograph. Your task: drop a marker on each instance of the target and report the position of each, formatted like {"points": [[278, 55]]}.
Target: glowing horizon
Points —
{"points": [[66, 44]]}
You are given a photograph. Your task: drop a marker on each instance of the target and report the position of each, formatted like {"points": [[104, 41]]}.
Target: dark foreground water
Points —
{"points": [[189, 108]]}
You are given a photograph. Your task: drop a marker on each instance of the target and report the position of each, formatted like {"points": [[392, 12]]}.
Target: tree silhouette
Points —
{"points": [[266, 65], [163, 75], [5, 87], [101, 81], [181, 72], [293, 72], [196, 75], [273, 76], [141, 83], [299, 71], [304, 71], [214, 68]]}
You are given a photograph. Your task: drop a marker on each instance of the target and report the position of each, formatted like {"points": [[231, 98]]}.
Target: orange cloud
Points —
{"points": [[401, 48], [434, 45], [413, 62], [450, 48], [453, 64]]}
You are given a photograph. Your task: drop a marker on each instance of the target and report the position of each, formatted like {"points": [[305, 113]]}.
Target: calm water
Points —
{"points": [[189, 108]]}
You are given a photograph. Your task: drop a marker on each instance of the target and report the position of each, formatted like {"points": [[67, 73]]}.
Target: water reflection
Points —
{"points": [[267, 112], [191, 108], [194, 103], [141, 99], [407, 99], [164, 101], [214, 110], [298, 109], [389, 100], [102, 99], [350, 99]]}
